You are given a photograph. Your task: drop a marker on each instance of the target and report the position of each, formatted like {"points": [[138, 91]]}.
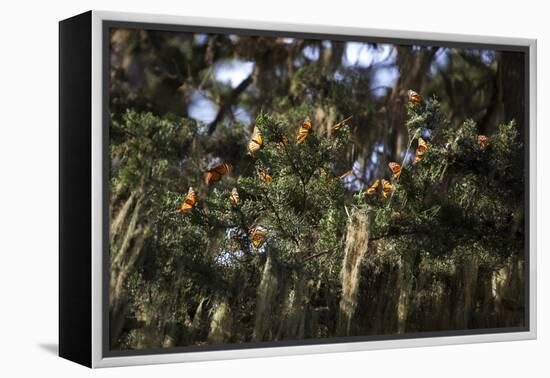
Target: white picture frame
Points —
{"points": [[98, 356]]}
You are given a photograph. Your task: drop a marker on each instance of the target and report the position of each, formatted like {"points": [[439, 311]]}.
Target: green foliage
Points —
{"points": [[145, 147], [461, 198]]}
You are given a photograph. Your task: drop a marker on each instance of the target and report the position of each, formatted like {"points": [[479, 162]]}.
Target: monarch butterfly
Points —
{"points": [[256, 142], [304, 131], [420, 150], [265, 176], [414, 97], [483, 141], [395, 169], [257, 236], [339, 125], [234, 197], [189, 202], [216, 173], [387, 187], [372, 189]]}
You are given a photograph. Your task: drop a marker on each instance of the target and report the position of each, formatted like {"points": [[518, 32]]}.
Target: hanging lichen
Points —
{"points": [[355, 248], [404, 286], [220, 324], [265, 302], [294, 310]]}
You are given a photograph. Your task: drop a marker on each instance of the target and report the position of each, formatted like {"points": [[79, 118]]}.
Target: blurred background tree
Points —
{"points": [[182, 103]]}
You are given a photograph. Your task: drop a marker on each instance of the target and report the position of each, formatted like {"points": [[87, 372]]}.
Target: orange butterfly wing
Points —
{"points": [[387, 188], [414, 97], [234, 197], [307, 124], [258, 237], [483, 141], [190, 201], [264, 176], [420, 150], [216, 174], [304, 131], [223, 169], [256, 142], [395, 169], [211, 176], [372, 189]]}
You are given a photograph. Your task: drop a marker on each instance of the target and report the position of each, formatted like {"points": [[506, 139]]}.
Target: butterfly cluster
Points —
{"points": [[385, 187], [257, 234]]}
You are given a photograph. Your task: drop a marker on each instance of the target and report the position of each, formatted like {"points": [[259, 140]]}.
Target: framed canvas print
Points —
{"points": [[237, 189]]}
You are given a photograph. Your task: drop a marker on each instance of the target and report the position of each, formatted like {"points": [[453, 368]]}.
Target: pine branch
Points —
{"points": [[280, 222], [228, 102]]}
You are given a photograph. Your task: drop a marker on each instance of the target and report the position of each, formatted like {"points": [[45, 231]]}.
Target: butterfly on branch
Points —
{"points": [[395, 169], [483, 141], [234, 197], [216, 173], [386, 188], [420, 150], [304, 131], [190, 201], [265, 176], [414, 97], [256, 141], [257, 236]]}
